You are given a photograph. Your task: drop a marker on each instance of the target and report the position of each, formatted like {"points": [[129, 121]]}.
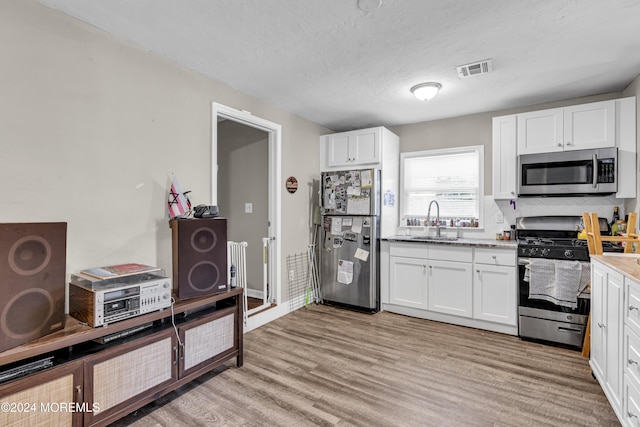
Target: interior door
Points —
{"points": [[264, 213], [243, 195]]}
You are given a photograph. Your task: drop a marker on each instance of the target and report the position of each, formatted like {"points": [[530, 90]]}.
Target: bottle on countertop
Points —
{"points": [[616, 215]]}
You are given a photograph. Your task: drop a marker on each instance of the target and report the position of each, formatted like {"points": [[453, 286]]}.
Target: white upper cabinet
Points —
{"points": [[540, 131], [590, 126], [353, 148], [577, 127], [504, 157], [625, 119]]}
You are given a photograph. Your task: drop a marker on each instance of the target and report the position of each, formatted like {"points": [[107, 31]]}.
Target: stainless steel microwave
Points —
{"points": [[568, 173]]}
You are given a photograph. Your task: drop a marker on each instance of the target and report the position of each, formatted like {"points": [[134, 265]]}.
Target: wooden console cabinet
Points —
{"points": [[94, 385]]}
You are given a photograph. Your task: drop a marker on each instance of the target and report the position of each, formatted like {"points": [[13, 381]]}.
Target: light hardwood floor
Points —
{"points": [[327, 366]]}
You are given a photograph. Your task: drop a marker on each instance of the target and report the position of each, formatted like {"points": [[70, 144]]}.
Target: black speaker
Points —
{"points": [[33, 258], [199, 256]]}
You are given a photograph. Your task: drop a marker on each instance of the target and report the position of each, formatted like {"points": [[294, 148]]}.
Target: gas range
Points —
{"points": [[557, 248], [541, 317], [555, 237]]}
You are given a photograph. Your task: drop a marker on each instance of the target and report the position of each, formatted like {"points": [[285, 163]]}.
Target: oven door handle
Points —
{"points": [[595, 170], [524, 261], [572, 330]]}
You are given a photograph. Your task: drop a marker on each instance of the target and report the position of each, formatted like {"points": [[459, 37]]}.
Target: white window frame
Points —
{"points": [[446, 151]]}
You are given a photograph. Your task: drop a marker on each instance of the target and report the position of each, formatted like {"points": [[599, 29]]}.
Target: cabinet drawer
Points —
{"points": [[631, 404], [450, 253], [632, 354], [495, 256], [632, 306], [409, 250]]}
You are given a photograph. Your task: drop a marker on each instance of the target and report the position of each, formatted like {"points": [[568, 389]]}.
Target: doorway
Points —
{"points": [[245, 172]]}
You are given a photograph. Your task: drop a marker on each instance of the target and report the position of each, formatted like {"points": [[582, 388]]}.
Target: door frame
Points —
{"points": [[274, 131]]}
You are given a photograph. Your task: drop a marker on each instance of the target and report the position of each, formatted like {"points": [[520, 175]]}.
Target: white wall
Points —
{"points": [[91, 127]]}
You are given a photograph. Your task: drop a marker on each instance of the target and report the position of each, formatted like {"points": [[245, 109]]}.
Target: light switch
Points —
{"points": [[248, 208], [499, 218]]}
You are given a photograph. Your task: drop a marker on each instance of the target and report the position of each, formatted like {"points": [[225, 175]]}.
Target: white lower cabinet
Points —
{"points": [[450, 287], [458, 284], [606, 331], [495, 296], [409, 276]]}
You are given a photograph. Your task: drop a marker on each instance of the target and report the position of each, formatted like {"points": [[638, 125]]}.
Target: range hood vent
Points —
{"points": [[475, 68]]}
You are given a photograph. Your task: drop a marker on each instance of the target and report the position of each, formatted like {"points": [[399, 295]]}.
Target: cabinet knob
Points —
{"points": [[601, 325], [632, 307], [559, 144], [631, 415], [632, 362], [477, 271], [569, 143]]}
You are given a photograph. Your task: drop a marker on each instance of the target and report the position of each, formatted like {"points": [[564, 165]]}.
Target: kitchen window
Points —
{"points": [[454, 177]]}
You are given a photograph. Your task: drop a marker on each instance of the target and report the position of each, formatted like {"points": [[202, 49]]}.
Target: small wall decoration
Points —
{"points": [[292, 184]]}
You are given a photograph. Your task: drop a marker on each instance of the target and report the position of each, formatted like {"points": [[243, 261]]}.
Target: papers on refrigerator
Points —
{"points": [[345, 272], [336, 225], [362, 255]]}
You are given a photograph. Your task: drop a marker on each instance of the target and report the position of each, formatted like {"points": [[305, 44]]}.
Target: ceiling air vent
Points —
{"points": [[475, 68]]}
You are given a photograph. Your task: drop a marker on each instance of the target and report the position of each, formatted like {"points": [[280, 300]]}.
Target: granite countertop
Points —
{"points": [[463, 241], [625, 264]]}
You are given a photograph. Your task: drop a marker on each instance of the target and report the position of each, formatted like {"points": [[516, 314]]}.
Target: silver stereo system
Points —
{"points": [[98, 302]]}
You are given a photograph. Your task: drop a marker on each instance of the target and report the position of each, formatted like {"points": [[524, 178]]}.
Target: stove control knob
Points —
{"points": [[545, 251], [568, 253], [533, 251]]}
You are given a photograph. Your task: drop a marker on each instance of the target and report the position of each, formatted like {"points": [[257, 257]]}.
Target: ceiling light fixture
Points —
{"points": [[369, 5], [426, 91]]}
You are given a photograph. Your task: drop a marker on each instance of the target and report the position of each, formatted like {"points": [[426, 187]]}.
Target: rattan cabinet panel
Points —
{"points": [[49, 398], [118, 378], [207, 340]]}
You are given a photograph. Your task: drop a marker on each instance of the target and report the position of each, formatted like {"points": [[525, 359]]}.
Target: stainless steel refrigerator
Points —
{"points": [[350, 206]]}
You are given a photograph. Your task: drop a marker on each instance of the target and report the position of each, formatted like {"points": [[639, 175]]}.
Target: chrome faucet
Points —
{"points": [[437, 216]]}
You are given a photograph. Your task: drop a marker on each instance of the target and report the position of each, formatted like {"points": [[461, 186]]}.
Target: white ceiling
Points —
{"points": [[346, 68]]}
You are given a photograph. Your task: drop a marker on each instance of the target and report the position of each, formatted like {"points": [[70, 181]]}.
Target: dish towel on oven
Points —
{"points": [[555, 281]]}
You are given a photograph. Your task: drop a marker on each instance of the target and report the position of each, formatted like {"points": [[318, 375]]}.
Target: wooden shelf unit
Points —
{"points": [[185, 358]]}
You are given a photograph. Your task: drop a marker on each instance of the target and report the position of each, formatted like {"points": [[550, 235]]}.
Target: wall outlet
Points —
{"points": [[248, 208], [499, 218], [291, 275]]}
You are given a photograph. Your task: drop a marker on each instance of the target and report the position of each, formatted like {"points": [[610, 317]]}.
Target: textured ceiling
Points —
{"points": [[346, 68]]}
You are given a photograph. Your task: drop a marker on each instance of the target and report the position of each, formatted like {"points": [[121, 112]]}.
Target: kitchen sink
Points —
{"points": [[433, 238]]}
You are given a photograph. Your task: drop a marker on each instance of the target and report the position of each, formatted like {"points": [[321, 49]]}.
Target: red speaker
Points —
{"points": [[33, 258], [199, 256]]}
